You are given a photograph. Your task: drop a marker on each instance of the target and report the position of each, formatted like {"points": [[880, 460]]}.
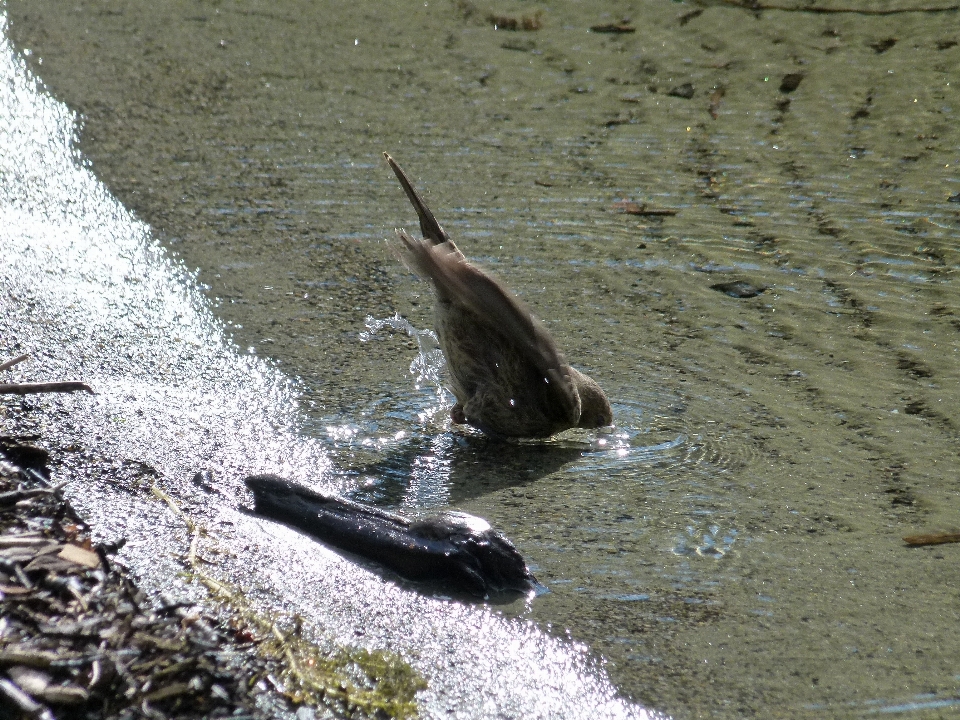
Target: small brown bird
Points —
{"points": [[508, 375]]}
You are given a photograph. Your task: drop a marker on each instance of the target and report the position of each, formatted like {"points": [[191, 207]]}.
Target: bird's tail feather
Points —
{"points": [[429, 226]]}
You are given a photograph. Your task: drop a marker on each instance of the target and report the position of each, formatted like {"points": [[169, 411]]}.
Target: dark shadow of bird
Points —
{"points": [[508, 376], [472, 467]]}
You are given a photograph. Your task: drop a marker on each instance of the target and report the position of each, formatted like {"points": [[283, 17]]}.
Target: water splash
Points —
{"points": [[428, 366]]}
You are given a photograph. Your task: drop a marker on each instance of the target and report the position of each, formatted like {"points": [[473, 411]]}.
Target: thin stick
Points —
{"points": [[10, 363], [49, 387], [191, 526], [23, 702], [192, 555], [932, 539], [818, 10], [15, 496]]}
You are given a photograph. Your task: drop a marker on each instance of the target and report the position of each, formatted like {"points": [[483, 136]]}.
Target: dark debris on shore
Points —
{"points": [[79, 640]]}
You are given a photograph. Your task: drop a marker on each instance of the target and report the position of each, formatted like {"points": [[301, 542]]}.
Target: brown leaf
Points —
{"points": [[51, 563], [14, 590], [739, 289], [715, 98], [65, 695], [791, 82], [20, 655], [613, 28], [80, 556], [932, 539], [30, 680], [632, 208]]}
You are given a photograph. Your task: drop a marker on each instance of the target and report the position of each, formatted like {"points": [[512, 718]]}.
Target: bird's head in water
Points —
{"points": [[595, 409]]}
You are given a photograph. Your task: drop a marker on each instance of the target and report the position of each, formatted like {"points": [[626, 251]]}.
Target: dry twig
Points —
{"points": [[34, 388], [932, 539], [10, 363], [48, 387], [820, 10]]}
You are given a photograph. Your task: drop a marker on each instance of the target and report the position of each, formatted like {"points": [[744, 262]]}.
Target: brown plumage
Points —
{"points": [[508, 375]]}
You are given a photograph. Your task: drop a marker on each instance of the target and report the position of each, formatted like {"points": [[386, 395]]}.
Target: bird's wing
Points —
{"points": [[490, 411], [428, 223], [457, 280]]}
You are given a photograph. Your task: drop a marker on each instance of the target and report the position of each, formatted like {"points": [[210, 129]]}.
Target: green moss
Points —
{"points": [[376, 683]]}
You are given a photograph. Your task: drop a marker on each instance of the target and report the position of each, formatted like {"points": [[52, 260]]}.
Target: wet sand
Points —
{"points": [[760, 570]]}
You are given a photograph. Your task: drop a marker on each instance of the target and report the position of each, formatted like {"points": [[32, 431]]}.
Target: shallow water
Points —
{"points": [[738, 553], [89, 294]]}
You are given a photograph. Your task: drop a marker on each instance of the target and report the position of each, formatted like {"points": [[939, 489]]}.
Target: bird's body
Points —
{"points": [[505, 370]]}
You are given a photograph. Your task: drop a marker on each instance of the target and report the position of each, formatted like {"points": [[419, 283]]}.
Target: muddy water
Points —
{"points": [[738, 550]]}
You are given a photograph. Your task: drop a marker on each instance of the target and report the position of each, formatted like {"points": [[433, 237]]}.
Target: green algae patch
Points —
{"points": [[373, 682], [349, 680]]}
